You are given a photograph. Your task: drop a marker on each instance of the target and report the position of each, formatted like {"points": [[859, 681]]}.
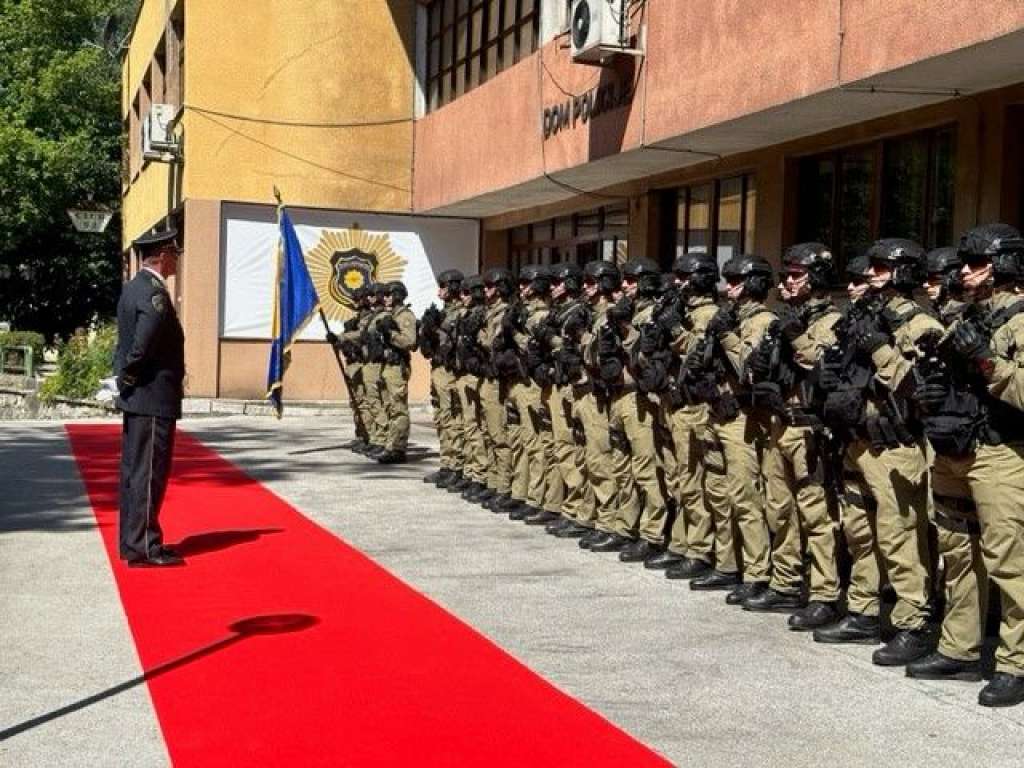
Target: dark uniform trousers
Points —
{"points": [[147, 444]]}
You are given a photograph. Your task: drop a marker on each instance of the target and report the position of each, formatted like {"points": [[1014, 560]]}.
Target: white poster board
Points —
{"points": [[341, 248]]}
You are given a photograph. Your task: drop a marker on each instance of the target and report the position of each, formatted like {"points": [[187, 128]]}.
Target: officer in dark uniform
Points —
{"points": [[150, 366]]}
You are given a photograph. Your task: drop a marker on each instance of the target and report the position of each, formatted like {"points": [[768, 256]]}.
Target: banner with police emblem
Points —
{"points": [[344, 251]]}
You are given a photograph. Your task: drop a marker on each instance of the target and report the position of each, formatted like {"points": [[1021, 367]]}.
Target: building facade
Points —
{"points": [[720, 125]]}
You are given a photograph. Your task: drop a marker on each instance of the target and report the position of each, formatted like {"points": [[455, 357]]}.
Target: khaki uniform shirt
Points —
{"points": [[1007, 379], [893, 362]]}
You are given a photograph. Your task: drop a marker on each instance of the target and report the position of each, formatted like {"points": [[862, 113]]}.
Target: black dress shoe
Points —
{"points": [[543, 517], [391, 457], [935, 666], [715, 581], [572, 531], [744, 592], [611, 542], [639, 551], [590, 537], [816, 614], [1005, 690], [908, 645], [773, 601], [662, 560], [156, 560], [687, 568], [852, 628]]}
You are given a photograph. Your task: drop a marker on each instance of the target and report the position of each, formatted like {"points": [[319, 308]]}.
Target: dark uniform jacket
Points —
{"points": [[150, 358]]}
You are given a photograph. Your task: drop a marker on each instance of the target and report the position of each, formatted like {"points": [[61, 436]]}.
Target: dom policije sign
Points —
{"points": [[582, 108]]}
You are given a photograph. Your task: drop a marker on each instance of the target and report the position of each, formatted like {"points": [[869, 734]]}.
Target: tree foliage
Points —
{"points": [[60, 148]]}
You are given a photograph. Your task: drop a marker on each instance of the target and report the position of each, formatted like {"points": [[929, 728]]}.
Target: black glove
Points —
{"points": [[931, 392], [790, 325], [759, 364], [332, 339], [722, 323], [871, 340], [766, 394], [695, 359], [650, 339], [971, 344], [671, 319]]}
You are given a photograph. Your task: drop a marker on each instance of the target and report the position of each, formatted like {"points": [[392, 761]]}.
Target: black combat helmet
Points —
{"points": [[945, 264], [380, 290], [646, 274], [754, 272], [857, 269], [502, 279], [450, 278], [701, 270], [816, 259], [537, 276], [997, 243], [570, 274], [399, 293], [904, 257], [473, 286], [605, 274]]}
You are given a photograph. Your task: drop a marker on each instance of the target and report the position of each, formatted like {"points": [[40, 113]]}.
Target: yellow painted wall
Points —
{"points": [[314, 62]]}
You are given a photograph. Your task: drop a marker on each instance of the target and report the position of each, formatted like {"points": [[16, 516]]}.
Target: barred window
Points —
{"points": [[717, 217], [602, 233], [471, 41]]}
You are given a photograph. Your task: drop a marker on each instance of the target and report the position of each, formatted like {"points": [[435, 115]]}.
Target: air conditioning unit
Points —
{"points": [[158, 131], [598, 29]]}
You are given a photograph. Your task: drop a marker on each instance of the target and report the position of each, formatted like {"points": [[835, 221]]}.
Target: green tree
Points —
{"points": [[60, 147]]}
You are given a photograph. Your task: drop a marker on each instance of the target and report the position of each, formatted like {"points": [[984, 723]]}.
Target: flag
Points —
{"points": [[295, 302]]}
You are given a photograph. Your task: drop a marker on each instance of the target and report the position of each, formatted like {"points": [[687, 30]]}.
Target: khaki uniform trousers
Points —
{"points": [[377, 424], [447, 417], [733, 468], [357, 398], [475, 459], [525, 446], [798, 505], [499, 470], [693, 531], [395, 397], [896, 479], [570, 458], [642, 509], [554, 487], [606, 468], [994, 478]]}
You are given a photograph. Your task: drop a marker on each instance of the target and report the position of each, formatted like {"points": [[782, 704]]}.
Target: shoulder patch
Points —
{"points": [[159, 302]]}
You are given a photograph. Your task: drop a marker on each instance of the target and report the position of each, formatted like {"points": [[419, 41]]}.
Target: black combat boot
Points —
{"points": [[773, 601], [1005, 690], [746, 591], [373, 451], [715, 581], [556, 525], [540, 517], [391, 457], [935, 666], [458, 486], [448, 477], [590, 537], [816, 614], [688, 568], [572, 531], [472, 490], [435, 477], [521, 511], [662, 560], [611, 542], [638, 551], [852, 628], [908, 645]]}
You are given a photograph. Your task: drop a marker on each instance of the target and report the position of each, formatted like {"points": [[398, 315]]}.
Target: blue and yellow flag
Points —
{"points": [[295, 301]]}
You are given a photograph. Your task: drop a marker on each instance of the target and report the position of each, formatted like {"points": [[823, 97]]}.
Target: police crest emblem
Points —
{"points": [[344, 261]]}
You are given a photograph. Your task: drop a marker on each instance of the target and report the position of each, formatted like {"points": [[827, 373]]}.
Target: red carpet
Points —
{"points": [[378, 676]]}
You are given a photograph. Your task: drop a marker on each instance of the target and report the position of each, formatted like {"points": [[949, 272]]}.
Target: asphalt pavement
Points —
{"points": [[700, 682]]}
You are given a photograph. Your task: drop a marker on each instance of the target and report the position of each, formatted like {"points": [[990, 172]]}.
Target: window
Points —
{"points": [[602, 233], [471, 41], [901, 187], [717, 217]]}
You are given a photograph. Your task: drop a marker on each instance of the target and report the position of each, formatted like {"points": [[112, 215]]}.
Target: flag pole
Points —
{"points": [[323, 316]]}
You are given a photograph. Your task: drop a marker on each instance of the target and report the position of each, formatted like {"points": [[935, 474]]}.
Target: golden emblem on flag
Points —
{"points": [[345, 260]]}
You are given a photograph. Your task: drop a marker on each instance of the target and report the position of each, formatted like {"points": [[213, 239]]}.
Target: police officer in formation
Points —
{"points": [[376, 344], [775, 452]]}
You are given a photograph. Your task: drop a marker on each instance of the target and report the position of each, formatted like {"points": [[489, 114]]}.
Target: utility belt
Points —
{"points": [[796, 416], [394, 356]]}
